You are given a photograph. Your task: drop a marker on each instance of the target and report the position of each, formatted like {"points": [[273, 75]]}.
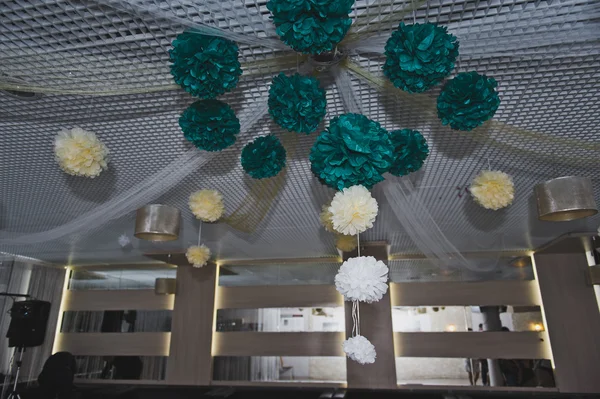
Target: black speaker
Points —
{"points": [[28, 323]]}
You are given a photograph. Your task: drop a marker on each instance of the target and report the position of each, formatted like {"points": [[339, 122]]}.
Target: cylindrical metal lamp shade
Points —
{"points": [[565, 198], [157, 223], [165, 286]]}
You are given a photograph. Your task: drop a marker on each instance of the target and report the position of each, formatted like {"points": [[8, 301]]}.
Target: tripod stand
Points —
{"points": [[18, 351]]}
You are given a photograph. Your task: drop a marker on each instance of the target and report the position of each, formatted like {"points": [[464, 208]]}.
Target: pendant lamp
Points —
{"points": [[565, 198], [157, 223]]}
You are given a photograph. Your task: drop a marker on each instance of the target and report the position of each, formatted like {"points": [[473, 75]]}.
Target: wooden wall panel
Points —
{"points": [[117, 300], [376, 326], [115, 344], [485, 293], [190, 362], [278, 344], [302, 296], [572, 318], [477, 345]]}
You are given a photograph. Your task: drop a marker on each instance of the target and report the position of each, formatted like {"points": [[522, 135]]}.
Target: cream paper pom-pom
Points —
{"points": [[325, 217], [80, 153], [360, 350], [198, 255], [363, 279], [493, 189], [207, 205], [353, 210], [346, 243]]}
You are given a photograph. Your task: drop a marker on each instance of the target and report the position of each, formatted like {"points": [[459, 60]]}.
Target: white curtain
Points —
{"points": [[266, 368]]}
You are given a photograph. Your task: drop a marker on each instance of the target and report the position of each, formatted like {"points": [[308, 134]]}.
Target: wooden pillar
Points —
{"points": [[572, 317], [376, 326], [190, 358]]}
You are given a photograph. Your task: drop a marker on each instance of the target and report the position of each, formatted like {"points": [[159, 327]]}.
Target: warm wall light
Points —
{"points": [[538, 327], [451, 328]]}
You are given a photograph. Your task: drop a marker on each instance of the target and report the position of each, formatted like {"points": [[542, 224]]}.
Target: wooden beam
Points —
{"points": [[114, 344], [376, 326], [572, 317], [477, 345], [278, 344], [101, 300], [485, 293], [301, 296], [190, 362]]}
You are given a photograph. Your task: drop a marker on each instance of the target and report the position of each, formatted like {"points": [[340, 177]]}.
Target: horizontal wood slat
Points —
{"points": [[117, 300], [278, 297], [477, 345], [278, 344], [115, 344], [485, 293]]}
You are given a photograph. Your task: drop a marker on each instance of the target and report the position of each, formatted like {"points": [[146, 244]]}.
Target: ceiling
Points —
{"points": [[103, 66]]}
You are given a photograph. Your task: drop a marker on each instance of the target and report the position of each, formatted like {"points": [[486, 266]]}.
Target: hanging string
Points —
{"points": [[355, 318], [489, 166], [358, 242], [199, 232], [414, 11]]}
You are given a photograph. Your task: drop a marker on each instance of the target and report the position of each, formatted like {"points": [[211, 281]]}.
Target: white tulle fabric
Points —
{"points": [[141, 194], [360, 350], [406, 203], [362, 279], [353, 210]]}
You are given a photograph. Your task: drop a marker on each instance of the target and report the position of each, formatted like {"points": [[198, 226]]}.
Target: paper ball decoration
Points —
{"points": [[419, 56], [354, 150], [297, 103], [362, 279], [493, 189], [198, 255], [264, 157], [353, 210], [207, 205], [346, 243], [325, 217], [467, 101], [211, 125], [311, 26], [80, 153], [204, 66], [410, 150], [360, 350]]}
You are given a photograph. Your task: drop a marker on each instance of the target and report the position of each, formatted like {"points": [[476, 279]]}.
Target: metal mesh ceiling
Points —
{"points": [[104, 66]]}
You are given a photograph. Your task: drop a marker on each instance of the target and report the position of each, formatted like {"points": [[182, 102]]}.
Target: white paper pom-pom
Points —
{"points": [[353, 210], [207, 205], [198, 255], [493, 189], [362, 279], [124, 241], [80, 153], [360, 350], [346, 243]]}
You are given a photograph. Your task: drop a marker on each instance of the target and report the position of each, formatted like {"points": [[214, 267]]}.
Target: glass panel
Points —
{"points": [[459, 318], [452, 371], [116, 321], [121, 367], [281, 320], [280, 368], [118, 279], [273, 274]]}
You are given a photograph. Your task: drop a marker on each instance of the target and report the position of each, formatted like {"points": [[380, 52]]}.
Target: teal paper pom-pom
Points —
{"points": [[410, 151], [210, 125], [311, 26], [353, 150], [264, 157], [205, 66], [419, 56], [467, 101], [297, 103]]}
